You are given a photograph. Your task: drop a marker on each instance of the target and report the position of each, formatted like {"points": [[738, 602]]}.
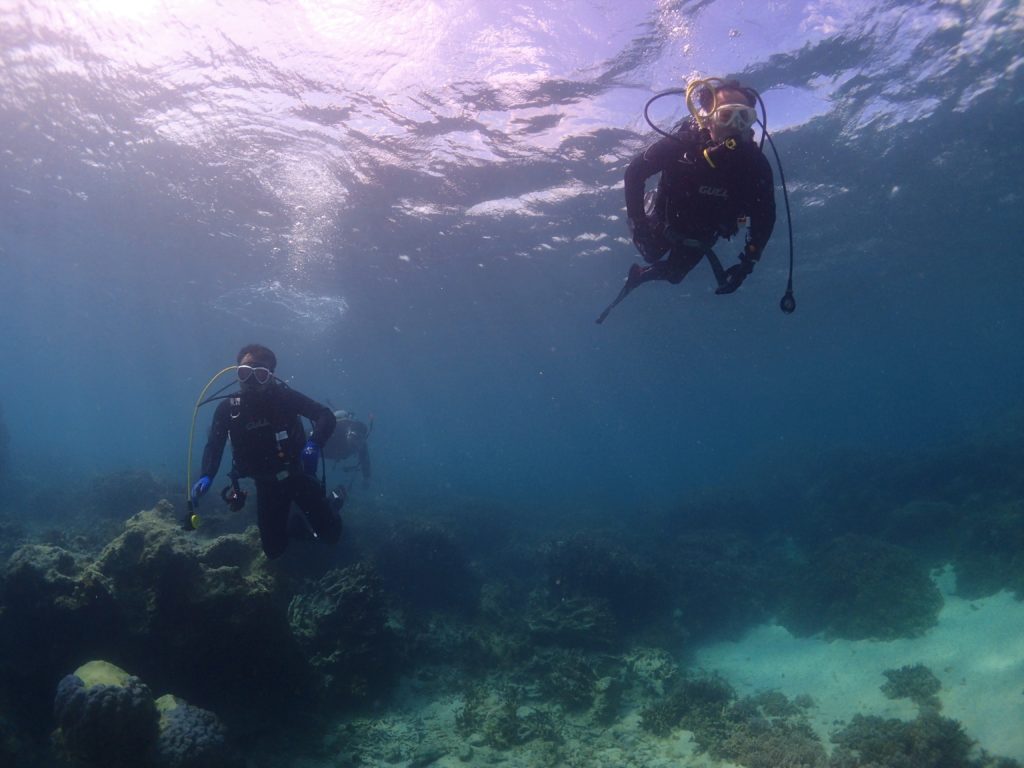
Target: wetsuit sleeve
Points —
{"points": [[655, 159], [320, 415], [762, 212], [215, 442]]}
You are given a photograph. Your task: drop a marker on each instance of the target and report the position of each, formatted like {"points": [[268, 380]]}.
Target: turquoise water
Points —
{"points": [[424, 219], [418, 205]]}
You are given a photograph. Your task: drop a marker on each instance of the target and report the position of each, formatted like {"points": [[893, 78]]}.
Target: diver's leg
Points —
{"points": [[272, 502], [680, 262]]}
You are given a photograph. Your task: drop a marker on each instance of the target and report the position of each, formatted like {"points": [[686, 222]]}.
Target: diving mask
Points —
{"points": [[737, 117], [258, 372]]}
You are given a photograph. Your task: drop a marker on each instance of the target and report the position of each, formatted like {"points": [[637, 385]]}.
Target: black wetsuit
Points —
{"points": [[697, 202], [267, 437]]}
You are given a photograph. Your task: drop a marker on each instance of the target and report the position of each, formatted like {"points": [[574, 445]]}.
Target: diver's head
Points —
{"points": [[731, 112], [256, 365]]}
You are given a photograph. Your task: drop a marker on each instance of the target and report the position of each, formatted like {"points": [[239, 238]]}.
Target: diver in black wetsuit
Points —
{"points": [[713, 175], [269, 444]]}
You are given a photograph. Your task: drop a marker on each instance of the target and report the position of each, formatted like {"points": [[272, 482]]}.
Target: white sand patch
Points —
{"points": [[976, 651]]}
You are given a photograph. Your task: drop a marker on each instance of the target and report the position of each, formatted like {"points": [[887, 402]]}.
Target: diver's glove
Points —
{"points": [[645, 239], [310, 457], [736, 274], [200, 487]]}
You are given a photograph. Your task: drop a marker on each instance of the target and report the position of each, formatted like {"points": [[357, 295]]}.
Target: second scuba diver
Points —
{"points": [[713, 175]]}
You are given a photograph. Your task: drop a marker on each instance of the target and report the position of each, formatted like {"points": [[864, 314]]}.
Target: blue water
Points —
{"points": [[418, 206]]}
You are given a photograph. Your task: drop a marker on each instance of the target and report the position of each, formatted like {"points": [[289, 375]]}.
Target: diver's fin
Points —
{"points": [[632, 282]]}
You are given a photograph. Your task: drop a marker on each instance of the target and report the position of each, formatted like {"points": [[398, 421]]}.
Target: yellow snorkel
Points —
{"points": [[192, 520], [708, 85]]}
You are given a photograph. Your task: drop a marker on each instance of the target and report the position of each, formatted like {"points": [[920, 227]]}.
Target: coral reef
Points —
{"points": [[421, 563], [763, 731], [342, 626], [857, 588], [212, 610], [930, 741], [581, 567], [915, 682], [190, 737], [990, 556], [722, 583], [55, 608], [566, 678], [693, 703], [106, 717], [502, 720], [578, 622]]}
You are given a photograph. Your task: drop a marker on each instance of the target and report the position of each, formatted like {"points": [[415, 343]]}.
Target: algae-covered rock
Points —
{"points": [[915, 682], [424, 566], [861, 588], [341, 625], [211, 610], [191, 737], [106, 717], [55, 608], [930, 741]]}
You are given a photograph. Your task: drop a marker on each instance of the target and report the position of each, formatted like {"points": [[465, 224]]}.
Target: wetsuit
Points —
{"points": [[267, 436], [697, 202]]}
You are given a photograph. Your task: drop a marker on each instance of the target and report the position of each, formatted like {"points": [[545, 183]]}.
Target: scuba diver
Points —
{"points": [[351, 438], [269, 444], [714, 178]]}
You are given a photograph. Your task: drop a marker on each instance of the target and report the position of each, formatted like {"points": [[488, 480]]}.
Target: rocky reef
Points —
{"points": [[456, 638]]}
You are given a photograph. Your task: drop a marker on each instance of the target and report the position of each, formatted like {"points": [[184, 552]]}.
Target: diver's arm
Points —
{"points": [[320, 415], [657, 157], [218, 437]]}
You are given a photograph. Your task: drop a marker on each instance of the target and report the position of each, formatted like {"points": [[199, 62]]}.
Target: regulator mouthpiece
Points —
{"points": [[788, 303]]}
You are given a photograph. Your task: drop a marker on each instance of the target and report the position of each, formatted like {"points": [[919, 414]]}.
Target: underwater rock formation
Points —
{"points": [[861, 588], [915, 682], [573, 622], [55, 608], [106, 717], [582, 567], [723, 584], [190, 737], [421, 563], [209, 609], [929, 741], [341, 625], [990, 555]]}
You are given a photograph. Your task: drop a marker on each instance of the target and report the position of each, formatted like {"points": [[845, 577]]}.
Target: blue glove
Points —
{"points": [[736, 274], [310, 458], [202, 485]]}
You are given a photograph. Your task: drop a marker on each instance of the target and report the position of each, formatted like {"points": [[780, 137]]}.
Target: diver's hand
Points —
{"points": [[201, 486], [310, 457], [736, 274]]}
